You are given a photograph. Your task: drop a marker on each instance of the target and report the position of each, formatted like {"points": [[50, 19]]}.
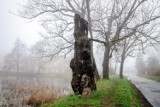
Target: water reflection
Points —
{"points": [[14, 90]]}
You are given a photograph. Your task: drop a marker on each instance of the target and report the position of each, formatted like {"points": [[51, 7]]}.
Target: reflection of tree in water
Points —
{"points": [[18, 90]]}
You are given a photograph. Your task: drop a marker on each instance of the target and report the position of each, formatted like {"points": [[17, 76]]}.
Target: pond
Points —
{"points": [[32, 91]]}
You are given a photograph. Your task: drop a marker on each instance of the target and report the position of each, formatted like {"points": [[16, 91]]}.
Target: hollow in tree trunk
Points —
{"points": [[82, 66]]}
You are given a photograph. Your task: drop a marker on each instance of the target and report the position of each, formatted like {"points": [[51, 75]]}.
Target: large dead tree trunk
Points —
{"points": [[83, 82]]}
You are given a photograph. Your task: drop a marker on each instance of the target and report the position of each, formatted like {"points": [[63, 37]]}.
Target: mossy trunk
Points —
{"points": [[82, 66]]}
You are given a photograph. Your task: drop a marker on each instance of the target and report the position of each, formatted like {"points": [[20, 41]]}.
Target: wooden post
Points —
{"points": [[83, 82]]}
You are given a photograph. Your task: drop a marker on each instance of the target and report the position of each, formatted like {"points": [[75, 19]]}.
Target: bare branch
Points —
{"points": [[99, 41]]}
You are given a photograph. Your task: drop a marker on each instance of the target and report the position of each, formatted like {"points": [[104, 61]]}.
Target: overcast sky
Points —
{"points": [[12, 27]]}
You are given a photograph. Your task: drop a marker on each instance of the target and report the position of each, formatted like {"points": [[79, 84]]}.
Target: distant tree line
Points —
{"points": [[149, 66], [21, 59]]}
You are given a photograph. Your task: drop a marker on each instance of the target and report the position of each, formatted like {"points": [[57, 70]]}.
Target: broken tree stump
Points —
{"points": [[83, 82]]}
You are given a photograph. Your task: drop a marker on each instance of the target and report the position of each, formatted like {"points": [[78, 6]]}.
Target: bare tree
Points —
{"points": [[97, 77], [116, 61], [18, 51], [82, 66], [110, 19], [9, 63], [129, 45], [39, 53], [13, 59], [59, 17], [135, 16], [133, 44]]}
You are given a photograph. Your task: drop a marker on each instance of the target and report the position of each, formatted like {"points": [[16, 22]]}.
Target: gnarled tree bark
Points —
{"points": [[83, 82]]}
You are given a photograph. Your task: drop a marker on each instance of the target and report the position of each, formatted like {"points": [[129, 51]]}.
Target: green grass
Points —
{"points": [[110, 93]]}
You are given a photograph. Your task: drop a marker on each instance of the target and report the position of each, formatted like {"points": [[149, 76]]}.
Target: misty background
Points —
{"points": [[13, 26], [29, 32], [36, 50]]}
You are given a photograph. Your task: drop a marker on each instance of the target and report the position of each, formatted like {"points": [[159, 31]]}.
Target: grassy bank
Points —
{"points": [[110, 93]]}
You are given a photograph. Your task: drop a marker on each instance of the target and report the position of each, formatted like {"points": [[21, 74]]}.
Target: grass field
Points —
{"points": [[110, 93]]}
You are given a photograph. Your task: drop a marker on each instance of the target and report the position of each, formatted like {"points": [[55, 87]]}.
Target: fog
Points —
{"points": [[38, 50], [13, 26]]}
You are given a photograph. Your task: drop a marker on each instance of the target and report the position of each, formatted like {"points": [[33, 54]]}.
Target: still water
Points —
{"points": [[15, 90]]}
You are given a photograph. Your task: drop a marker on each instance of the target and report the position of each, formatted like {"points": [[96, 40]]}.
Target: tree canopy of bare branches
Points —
{"points": [[110, 22]]}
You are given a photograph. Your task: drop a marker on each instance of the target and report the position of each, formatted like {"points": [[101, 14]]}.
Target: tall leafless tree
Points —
{"points": [[13, 59], [110, 19], [58, 21], [135, 16], [129, 45]]}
